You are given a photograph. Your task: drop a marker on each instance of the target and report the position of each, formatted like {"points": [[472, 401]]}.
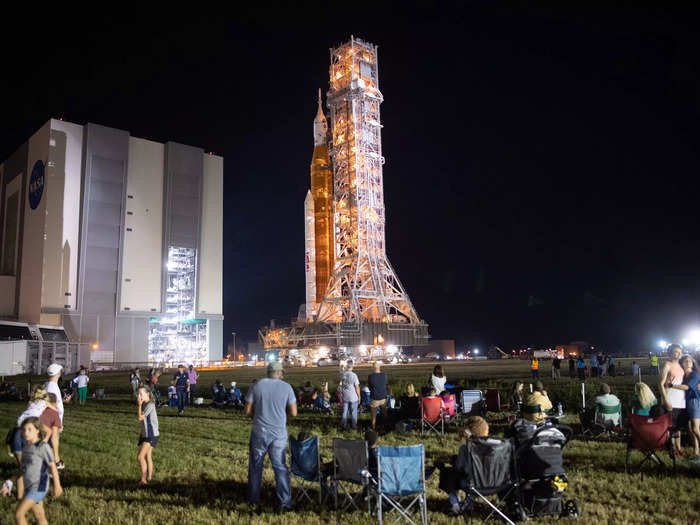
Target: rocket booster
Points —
{"points": [[310, 256]]}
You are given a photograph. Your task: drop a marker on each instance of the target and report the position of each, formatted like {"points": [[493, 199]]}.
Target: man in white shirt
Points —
{"points": [[51, 387], [607, 401]]}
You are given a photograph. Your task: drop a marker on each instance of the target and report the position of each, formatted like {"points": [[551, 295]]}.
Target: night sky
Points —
{"points": [[541, 166]]}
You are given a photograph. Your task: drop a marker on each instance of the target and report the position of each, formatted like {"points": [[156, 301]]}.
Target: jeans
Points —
{"points": [[535, 374], [181, 399], [263, 442], [350, 406], [193, 389]]}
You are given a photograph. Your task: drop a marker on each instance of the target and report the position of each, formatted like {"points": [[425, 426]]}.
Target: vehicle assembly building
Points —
{"points": [[116, 240], [355, 302]]}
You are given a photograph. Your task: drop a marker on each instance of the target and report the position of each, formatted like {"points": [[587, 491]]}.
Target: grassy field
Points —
{"points": [[201, 459]]}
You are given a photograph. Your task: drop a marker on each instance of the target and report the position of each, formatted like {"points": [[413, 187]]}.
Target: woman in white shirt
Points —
{"points": [[438, 379]]}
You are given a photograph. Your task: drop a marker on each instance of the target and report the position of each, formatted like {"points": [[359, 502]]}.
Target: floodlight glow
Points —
{"points": [[476, 350], [685, 342], [663, 344]]}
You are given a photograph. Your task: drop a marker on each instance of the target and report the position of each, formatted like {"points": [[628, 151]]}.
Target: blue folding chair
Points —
{"points": [[306, 466], [400, 482]]}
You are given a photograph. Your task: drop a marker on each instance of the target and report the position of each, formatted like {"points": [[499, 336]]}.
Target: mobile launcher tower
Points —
{"points": [[355, 304]]}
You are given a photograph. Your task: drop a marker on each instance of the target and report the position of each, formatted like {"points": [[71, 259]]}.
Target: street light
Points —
{"points": [[235, 360]]}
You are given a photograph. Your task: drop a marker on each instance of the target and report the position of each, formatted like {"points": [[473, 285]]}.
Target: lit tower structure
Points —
{"points": [[363, 287], [361, 307]]}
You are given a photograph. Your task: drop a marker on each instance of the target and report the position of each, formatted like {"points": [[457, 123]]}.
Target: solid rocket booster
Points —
{"points": [[322, 193], [310, 256]]}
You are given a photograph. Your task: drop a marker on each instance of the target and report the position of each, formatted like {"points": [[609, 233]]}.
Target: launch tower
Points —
{"points": [[363, 285]]}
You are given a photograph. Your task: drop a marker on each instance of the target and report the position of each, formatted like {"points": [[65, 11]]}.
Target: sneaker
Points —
{"points": [[60, 465]]}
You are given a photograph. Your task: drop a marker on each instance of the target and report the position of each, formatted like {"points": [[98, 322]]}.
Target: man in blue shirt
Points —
{"points": [[182, 385], [268, 402]]}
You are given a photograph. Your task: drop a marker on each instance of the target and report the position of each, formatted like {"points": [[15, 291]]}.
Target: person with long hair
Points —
{"points": [[150, 432], [437, 379], [691, 385], [643, 399], [516, 398]]}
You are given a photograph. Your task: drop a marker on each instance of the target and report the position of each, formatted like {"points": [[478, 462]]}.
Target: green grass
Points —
{"points": [[201, 459]]}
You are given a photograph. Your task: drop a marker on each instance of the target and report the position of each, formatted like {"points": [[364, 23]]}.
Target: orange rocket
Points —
{"points": [[320, 243]]}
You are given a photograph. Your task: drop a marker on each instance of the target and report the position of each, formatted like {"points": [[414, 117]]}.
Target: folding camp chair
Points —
{"points": [[306, 466], [400, 482], [432, 414], [491, 468], [350, 459], [410, 408], [473, 403], [604, 421], [649, 434], [493, 401]]}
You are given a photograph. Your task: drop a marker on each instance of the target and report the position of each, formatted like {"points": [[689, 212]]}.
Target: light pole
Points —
{"points": [[234, 349]]}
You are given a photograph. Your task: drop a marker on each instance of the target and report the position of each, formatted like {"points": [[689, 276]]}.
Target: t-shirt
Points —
{"points": [[635, 369], [348, 380], [581, 363], [52, 388], [181, 379], [149, 425], [34, 409], [82, 380], [438, 383], [270, 399], [36, 459], [609, 400], [594, 361], [692, 380], [192, 375], [377, 385], [49, 418]]}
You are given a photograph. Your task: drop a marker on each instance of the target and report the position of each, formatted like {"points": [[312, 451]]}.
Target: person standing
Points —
{"points": [[135, 381], [572, 367], [51, 386], [581, 366], [268, 402], [438, 379], [594, 365], [350, 390], [611, 366], [654, 363], [691, 387], [182, 387], [192, 376], [672, 374], [556, 368], [377, 389], [635, 370], [535, 368], [148, 440], [82, 382]]}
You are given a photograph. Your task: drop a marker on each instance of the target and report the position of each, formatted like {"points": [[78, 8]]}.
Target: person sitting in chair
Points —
{"points": [[452, 480], [606, 399], [538, 397]]}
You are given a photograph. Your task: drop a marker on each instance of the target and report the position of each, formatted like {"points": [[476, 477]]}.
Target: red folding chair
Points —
{"points": [[431, 415], [493, 401], [648, 435]]}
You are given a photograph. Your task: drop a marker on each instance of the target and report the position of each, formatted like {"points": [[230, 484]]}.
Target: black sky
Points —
{"points": [[541, 166]]}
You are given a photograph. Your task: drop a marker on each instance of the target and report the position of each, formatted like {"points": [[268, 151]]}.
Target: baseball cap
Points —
{"points": [[275, 367], [54, 369]]}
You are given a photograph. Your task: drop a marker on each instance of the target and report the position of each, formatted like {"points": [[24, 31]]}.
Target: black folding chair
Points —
{"points": [[350, 459], [491, 468]]}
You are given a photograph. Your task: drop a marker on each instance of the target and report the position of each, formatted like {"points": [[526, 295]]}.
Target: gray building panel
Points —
{"points": [[183, 195], [104, 194], [216, 339]]}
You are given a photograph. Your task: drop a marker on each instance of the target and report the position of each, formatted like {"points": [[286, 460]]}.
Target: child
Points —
{"points": [[172, 395], [52, 427], [37, 463], [35, 407], [82, 381], [149, 432]]}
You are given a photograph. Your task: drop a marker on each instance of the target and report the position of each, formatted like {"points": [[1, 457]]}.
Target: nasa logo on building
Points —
{"points": [[36, 184]]}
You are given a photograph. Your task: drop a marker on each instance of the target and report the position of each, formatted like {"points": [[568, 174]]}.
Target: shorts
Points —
{"points": [[36, 495], [693, 408], [153, 441], [680, 418], [375, 403]]}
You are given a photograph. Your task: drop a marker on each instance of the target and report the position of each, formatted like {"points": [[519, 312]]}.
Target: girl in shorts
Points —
{"points": [[148, 417], [37, 463]]}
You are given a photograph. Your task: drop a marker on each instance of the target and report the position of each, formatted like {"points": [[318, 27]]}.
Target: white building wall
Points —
{"points": [[32, 276], [61, 247], [211, 243], [142, 257]]}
